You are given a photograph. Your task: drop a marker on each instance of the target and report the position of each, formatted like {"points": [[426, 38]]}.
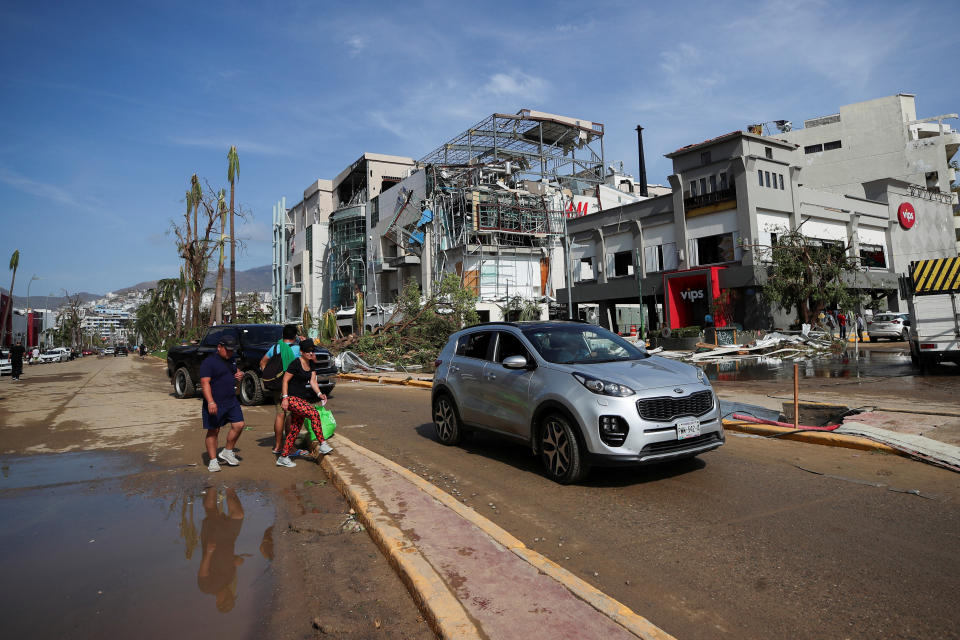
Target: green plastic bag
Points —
{"points": [[327, 423]]}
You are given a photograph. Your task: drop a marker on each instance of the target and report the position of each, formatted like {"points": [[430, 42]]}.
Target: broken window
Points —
{"points": [[623, 263], [829, 146], [813, 148], [715, 249], [586, 269], [872, 257]]}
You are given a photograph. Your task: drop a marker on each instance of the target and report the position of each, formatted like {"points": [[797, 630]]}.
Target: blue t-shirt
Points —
{"points": [[222, 383], [294, 347]]}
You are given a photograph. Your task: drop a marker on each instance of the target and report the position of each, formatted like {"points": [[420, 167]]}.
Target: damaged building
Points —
{"points": [[490, 205]]}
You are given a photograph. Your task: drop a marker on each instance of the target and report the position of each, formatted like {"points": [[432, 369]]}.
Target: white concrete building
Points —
{"points": [[731, 196]]}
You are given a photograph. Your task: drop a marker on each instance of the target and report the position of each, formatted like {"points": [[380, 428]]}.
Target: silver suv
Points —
{"points": [[578, 394]]}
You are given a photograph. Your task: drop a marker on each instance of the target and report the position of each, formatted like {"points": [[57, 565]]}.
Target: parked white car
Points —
{"points": [[6, 368], [52, 355]]}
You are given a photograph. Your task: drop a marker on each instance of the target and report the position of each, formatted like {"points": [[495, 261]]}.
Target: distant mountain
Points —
{"points": [[49, 302], [255, 279]]}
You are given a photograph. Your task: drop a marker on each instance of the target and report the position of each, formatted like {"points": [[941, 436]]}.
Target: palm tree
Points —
{"points": [[197, 192], [217, 311], [233, 172], [14, 265]]}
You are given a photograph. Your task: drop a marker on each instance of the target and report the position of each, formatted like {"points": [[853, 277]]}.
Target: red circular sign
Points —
{"points": [[906, 215]]}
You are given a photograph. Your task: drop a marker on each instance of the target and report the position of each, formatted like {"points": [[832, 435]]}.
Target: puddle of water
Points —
{"points": [[84, 561], [869, 364], [34, 471]]}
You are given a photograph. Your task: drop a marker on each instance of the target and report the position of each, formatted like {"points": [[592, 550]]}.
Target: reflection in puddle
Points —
{"points": [[91, 561]]}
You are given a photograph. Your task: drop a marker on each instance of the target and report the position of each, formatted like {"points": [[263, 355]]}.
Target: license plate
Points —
{"points": [[688, 429]]}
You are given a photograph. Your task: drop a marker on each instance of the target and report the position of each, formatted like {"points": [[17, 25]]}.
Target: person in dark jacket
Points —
{"points": [[16, 360]]}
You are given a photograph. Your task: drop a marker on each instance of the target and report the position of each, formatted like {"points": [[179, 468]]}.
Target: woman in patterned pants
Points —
{"points": [[299, 390]]}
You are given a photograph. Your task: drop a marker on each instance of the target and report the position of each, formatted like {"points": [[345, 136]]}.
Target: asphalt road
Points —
{"points": [[760, 539]]}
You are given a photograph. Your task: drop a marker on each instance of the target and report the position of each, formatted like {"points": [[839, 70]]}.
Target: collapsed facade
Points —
{"points": [[489, 205]]}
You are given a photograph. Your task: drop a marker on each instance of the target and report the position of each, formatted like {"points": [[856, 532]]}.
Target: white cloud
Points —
{"points": [[224, 144], [356, 44], [49, 191], [518, 84]]}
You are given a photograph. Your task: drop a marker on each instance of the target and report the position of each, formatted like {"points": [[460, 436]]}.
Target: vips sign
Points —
{"points": [[906, 215], [693, 294]]}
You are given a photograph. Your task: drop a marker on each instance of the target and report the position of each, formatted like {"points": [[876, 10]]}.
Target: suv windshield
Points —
{"points": [[587, 344], [262, 334]]}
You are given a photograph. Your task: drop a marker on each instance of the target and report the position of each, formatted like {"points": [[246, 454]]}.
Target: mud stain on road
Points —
{"points": [[174, 560]]}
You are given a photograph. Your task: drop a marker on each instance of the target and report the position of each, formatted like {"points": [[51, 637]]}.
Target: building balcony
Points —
{"points": [[719, 200], [381, 267], [400, 261], [294, 287]]}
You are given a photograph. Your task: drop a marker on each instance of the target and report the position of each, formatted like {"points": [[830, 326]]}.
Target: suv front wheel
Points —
{"points": [[560, 451], [446, 420]]}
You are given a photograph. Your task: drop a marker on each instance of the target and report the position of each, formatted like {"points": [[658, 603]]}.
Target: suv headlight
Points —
{"points": [[603, 387], [702, 377]]}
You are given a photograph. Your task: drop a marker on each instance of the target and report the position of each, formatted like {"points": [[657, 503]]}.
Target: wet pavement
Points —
{"points": [[87, 555], [849, 365]]}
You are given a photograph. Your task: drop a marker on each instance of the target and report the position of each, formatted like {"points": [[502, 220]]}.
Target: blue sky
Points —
{"points": [[108, 108]]}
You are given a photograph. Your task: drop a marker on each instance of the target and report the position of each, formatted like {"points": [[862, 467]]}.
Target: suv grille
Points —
{"points": [[667, 409], [675, 446], [323, 361]]}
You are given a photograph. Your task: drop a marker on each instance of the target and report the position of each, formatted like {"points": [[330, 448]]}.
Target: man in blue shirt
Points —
{"points": [[218, 373], [289, 336]]}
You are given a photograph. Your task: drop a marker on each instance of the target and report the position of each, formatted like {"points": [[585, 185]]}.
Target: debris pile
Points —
{"points": [[779, 345]]}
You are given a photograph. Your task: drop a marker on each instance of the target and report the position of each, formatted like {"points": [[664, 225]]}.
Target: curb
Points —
{"points": [[442, 611], [425, 585], [812, 437], [407, 382]]}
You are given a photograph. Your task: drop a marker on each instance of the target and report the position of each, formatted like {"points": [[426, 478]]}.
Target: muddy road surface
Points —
{"points": [[111, 526], [762, 538]]}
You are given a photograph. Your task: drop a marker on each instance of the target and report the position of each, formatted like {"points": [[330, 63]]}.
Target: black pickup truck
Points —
{"points": [[253, 341]]}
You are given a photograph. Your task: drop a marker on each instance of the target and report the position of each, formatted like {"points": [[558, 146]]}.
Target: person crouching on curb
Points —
{"points": [[220, 406], [299, 390]]}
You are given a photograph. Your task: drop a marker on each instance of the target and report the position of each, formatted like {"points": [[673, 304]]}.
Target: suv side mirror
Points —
{"points": [[515, 362]]}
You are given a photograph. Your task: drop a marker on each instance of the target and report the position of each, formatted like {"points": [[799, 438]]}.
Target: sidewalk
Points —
{"points": [[471, 578]]}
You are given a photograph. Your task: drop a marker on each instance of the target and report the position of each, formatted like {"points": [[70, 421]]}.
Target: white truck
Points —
{"points": [[932, 292]]}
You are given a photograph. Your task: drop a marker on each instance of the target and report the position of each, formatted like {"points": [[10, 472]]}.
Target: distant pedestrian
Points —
{"points": [[708, 321], [218, 373], [16, 361], [842, 321], [143, 350], [35, 355], [861, 325], [831, 324], [300, 391]]}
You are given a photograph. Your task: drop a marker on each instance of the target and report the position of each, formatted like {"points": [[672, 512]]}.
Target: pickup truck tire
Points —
{"points": [[251, 389], [183, 384]]}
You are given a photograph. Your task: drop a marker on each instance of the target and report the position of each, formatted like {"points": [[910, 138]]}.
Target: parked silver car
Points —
{"points": [[578, 394]]}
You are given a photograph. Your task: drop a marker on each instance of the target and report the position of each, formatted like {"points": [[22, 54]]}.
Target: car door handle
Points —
{"points": [[454, 368], [491, 376]]}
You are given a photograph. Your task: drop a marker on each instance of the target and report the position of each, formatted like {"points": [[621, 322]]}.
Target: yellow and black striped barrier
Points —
{"points": [[938, 275]]}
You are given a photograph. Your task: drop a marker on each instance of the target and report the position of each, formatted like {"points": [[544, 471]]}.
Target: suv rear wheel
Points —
{"points": [[183, 383], [251, 389], [446, 420], [559, 450]]}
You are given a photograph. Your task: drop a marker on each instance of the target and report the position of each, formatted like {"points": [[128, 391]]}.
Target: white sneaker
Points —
{"points": [[325, 448], [228, 456], [284, 461], [213, 467]]}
